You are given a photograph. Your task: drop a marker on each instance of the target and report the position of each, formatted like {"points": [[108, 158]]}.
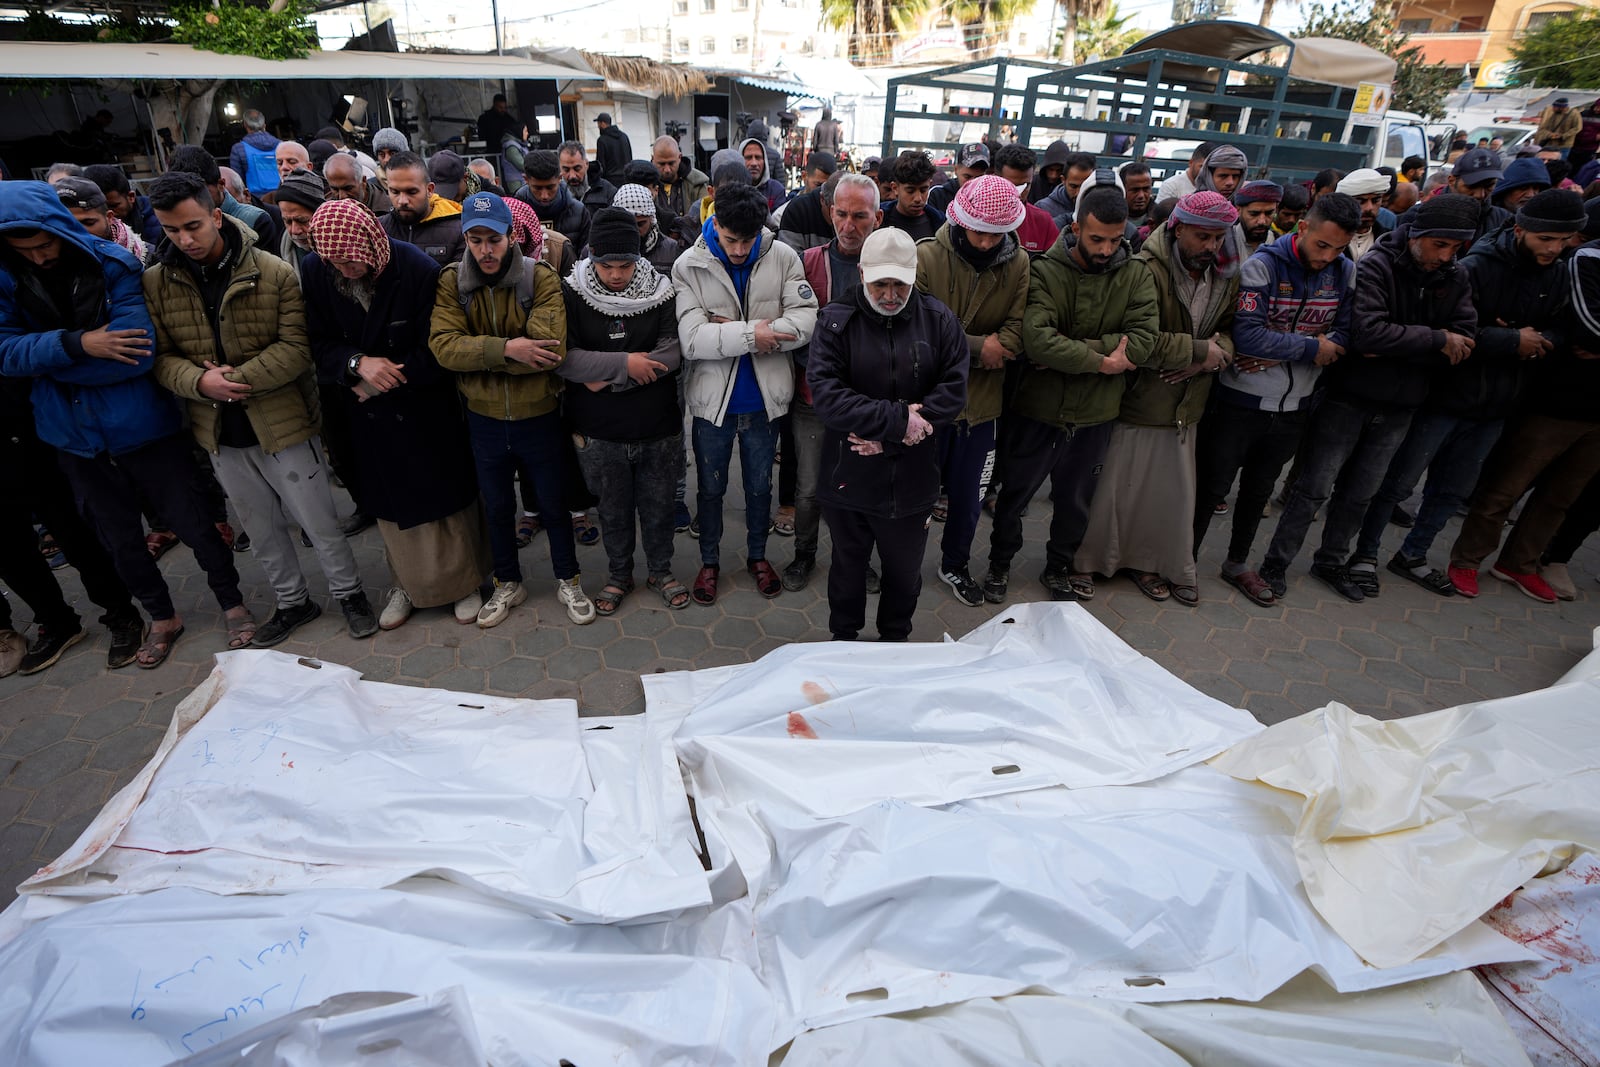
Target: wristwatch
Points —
{"points": [[353, 368]]}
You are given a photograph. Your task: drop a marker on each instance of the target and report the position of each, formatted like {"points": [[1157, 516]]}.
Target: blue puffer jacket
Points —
{"points": [[81, 404]]}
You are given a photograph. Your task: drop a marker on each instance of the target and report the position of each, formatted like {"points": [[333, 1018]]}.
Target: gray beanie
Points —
{"points": [[389, 137], [303, 187]]}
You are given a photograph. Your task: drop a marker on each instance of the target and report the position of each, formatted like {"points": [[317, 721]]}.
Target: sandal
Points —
{"points": [[783, 525], [1253, 586], [1082, 586], [941, 510], [157, 647], [160, 542], [705, 585], [241, 630], [527, 529], [673, 592], [1152, 585], [1187, 595], [607, 600], [583, 531]]}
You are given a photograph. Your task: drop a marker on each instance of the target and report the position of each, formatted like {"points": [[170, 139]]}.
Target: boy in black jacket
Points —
{"points": [[885, 371]]}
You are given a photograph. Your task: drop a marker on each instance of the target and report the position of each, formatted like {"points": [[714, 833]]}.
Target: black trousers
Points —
{"points": [[1071, 460], [1583, 519], [1252, 446], [788, 465], [108, 491], [338, 440], [32, 486], [900, 544]]}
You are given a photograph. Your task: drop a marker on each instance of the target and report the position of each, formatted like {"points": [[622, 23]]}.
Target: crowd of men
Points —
{"points": [[478, 358]]}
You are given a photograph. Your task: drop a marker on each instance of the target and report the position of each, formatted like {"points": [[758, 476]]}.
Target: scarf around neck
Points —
{"points": [[649, 289]]}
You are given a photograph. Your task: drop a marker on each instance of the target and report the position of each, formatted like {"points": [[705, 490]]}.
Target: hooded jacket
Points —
{"points": [[1055, 155], [1507, 287], [864, 371], [1181, 341], [1283, 308], [805, 222], [987, 301], [612, 152], [565, 214], [678, 205], [1520, 174], [260, 140], [81, 405], [770, 187], [1400, 318], [1073, 320], [777, 291], [261, 331], [1562, 385], [471, 340], [437, 233]]}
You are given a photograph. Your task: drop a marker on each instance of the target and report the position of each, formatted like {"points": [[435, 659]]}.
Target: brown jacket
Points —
{"points": [[987, 302]]}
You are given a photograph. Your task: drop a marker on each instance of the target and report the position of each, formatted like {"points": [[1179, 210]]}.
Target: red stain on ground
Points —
{"points": [[798, 727], [815, 693]]}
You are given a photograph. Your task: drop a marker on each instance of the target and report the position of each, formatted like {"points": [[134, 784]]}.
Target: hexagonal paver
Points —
{"points": [[1357, 690], [785, 623], [542, 641], [1256, 677], [629, 654], [1310, 695], [743, 604], [1147, 637], [1431, 665], [77, 791], [96, 723], [572, 664], [1395, 677], [1309, 623], [424, 663], [132, 747], [683, 643], [459, 680], [734, 633], [41, 767], [486, 651], [1183, 625], [1367, 644], [1274, 633], [1331, 654], [607, 692], [1197, 656], [647, 623], [1295, 666], [37, 732], [597, 634], [516, 676]]}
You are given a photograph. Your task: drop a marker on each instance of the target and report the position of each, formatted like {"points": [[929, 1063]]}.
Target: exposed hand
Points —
{"points": [[382, 374], [1531, 344], [718, 319], [541, 355], [917, 427], [1117, 362], [994, 353], [216, 385], [1178, 377], [1253, 364], [1584, 353], [642, 370], [119, 346], [865, 448], [768, 339], [1456, 347], [1327, 351]]}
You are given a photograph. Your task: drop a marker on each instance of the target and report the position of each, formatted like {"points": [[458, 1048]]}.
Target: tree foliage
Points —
{"points": [[238, 27], [1564, 51], [1104, 36], [1075, 13], [1419, 86], [985, 23], [872, 28]]}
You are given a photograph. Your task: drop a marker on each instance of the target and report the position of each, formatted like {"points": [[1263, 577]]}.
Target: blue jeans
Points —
{"points": [[1348, 444], [966, 461], [1452, 450], [502, 449], [713, 454]]}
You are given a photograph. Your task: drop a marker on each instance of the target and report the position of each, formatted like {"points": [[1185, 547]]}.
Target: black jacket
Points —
{"points": [[939, 196], [612, 152], [566, 214], [1507, 287], [1398, 327], [805, 223], [411, 445], [1490, 220], [631, 413], [864, 370], [1562, 385], [598, 194]]}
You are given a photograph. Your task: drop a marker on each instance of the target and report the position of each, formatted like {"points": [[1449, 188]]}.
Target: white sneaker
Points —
{"points": [[396, 612], [1559, 578], [580, 609], [507, 595], [12, 648], [467, 607]]}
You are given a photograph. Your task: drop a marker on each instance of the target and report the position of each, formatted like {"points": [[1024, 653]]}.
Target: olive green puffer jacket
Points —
{"points": [[262, 324], [986, 302]]}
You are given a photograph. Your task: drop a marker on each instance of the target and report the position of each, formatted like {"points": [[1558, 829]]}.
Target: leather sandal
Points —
{"points": [[1253, 586], [673, 593], [607, 600], [1152, 585], [705, 585], [157, 647], [766, 575]]}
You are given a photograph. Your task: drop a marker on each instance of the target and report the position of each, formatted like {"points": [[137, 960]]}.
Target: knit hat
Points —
{"points": [[304, 187], [1205, 209], [1521, 174], [989, 204], [1363, 182], [1451, 216], [1591, 228], [390, 138], [446, 170], [634, 199], [80, 193], [320, 152], [613, 235], [1258, 192], [1553, 211]]}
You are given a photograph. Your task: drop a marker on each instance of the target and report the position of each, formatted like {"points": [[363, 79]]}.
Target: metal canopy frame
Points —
{"points": [[1003, 79]]}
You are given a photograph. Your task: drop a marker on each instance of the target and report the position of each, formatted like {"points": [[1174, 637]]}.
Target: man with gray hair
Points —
{"points": [[346, 182], [253, 156], [291, 156], [58, 171]]}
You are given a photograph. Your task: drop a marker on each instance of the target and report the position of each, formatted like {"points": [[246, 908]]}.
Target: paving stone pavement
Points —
{"points": [[72, 736]]}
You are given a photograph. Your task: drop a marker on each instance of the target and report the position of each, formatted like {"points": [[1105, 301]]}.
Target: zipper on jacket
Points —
{"points": [[1288, 365], [894, 503]]}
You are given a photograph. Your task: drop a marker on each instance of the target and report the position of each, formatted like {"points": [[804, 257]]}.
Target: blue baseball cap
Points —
{"points": [[486, 211]]}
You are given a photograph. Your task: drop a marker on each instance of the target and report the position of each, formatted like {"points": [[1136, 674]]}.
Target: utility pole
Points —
{"points": [[499, 45]]}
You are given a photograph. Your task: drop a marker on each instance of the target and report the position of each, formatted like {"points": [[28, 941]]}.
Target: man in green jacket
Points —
{"points": [[975, 266], [1091, 318]]}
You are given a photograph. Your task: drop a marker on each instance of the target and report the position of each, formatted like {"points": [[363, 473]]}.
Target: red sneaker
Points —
{"points": [[227, 533], [1531, 584], [1465, 579]]}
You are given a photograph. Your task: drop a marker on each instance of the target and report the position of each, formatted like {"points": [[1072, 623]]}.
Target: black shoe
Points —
{"points": [[1058, 580], [841, 637], [47, 647], [994, 584], [694, 527], [1430, 579], [126, 637], [1399, 516], [284, 621], [358, 614], [356, 523], [874, 583], [1338, 579], [961, 584], [305, 539], [798, 573], [241, 542], [1365, 579], [1275, 581]]}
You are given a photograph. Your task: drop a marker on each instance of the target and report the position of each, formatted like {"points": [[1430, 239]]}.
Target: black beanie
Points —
{"points": [[1553, 211], [303, 187], [613, 234], [1448, 215]]}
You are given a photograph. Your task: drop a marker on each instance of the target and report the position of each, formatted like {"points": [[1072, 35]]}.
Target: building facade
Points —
{"points": [[1477, 34]]}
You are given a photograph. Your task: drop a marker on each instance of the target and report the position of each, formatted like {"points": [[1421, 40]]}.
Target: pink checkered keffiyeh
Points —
{"points": [[345, 229], [989, 204], [527, 232]]}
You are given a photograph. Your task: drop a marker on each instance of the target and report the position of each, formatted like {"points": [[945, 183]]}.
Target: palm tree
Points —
{"points": [[1102, 34], [1074, 12], [985, 23], [872, 27]]}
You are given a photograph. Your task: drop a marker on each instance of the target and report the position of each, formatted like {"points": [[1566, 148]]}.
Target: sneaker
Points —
{"points": [[797, 574], [1399, 516], [12, 648], [468, 606], [994, 584], [682, 520], [1364, 573], [1531, 584], [241, 541], [359, 616], [396, 612], [48, 646], [1338, 579], [961, 584], [874, 582], [284, 621], [580, 609], [1559, 579], [506, 596], [1276, 581], [1463, 579], [694, 527], [226, 533], [1059, 581], [126, 637], [355, 524]]}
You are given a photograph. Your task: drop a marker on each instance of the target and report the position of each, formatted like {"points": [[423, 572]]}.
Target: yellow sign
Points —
{"points": [[1371, 103]]}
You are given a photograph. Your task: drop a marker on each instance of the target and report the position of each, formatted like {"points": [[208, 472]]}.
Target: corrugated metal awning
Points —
{"points": [[774, 85]]}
